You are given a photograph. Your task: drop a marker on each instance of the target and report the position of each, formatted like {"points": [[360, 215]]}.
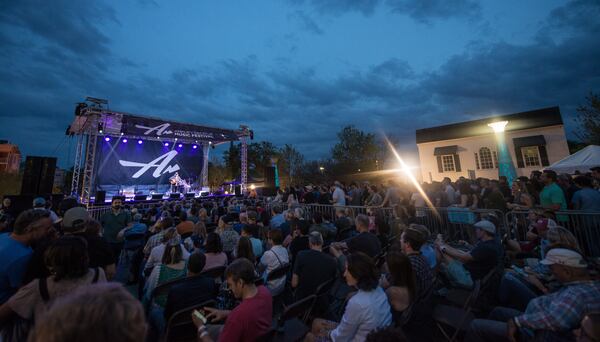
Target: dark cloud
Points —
{"points": [[425, 11], [336, 7], [306, 22]]}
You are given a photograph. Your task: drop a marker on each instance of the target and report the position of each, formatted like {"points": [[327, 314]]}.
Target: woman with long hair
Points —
{"points": [[214, 252], [244, 250], [172, 267], [400, 283]]}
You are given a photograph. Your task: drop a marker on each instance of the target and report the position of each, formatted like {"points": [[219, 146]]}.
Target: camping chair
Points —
{"points": [[180, 326], [457, 318]]}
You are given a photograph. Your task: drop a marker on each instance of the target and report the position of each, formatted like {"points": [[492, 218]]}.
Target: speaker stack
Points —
{"points": [[38, 178]]}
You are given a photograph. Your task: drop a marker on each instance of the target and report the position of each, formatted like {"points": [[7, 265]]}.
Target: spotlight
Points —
{"points": [[139, 142], [195, 147], [175, 139], [124, 140], [180, 145], [166, 144], [498, 127], [107, 139], [122, 133]]}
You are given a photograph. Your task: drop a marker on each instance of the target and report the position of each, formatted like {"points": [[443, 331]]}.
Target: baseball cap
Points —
{"points": [[75, 217], [486, 226], [544, 224], [565, 257], [39, 201]]}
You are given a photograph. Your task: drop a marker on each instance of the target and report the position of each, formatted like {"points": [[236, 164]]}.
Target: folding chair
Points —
{"points": [[291, 325], [180, 326], [457, 318], [217, 273]]}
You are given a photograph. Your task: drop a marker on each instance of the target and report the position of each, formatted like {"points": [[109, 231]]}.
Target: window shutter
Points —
{"points": [[439, 161], [519, 155], [457, 163], [543, 155], [476, 161]]}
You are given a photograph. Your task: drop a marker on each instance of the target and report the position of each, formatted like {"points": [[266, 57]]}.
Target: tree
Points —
{"points": [[290, 163], [589, 119], [356, 150], [259, 157], [217, 173], [233, 163]]}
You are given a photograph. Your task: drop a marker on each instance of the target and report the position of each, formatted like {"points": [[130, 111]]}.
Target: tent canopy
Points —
{"points": [[581, 161]]}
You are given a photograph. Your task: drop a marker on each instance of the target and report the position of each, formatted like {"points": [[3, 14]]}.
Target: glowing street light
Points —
{"points": [[498, 126]]}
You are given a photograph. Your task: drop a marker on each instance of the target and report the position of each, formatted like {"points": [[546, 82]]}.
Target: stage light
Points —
{"points": [[139, 142], [499, 126], [124, 141], [107, 139], [252, 187], [175, 139], [195, 147], [122, 133], [167, 144], [180, 145]]}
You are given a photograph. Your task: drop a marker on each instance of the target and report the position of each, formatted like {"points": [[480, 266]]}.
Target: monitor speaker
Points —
{"points": [[100, 197], [238, 190], [140, 197], [175, 196], [157, 196], [190, 195]]}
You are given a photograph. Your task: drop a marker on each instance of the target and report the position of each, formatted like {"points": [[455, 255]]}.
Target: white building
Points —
{"points": [[535, 139]]}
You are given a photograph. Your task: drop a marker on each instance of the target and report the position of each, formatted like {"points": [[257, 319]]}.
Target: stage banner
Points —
{"points": [[147, 127], [148, 163]]}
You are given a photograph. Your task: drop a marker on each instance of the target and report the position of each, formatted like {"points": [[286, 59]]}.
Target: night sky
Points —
{"points": [[295, 71]]}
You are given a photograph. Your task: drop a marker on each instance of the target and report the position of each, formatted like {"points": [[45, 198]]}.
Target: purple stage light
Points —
{"points": [[195, 147], [180, 145], [124, 141], [166, 144], [107, 139], [139, 142]]}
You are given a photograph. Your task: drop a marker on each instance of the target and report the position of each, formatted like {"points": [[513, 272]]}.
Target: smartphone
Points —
{"points": [[200, 316]]}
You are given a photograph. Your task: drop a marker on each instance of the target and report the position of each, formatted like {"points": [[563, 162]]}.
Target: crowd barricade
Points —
{"points": [[350, 210], [97, 212], [584, 225], [456, 223]]}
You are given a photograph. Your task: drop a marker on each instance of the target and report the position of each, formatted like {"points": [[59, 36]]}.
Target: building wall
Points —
{"points": [[556, 146], [10, 158]]}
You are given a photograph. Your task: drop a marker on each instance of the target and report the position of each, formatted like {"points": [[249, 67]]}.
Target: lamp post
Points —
{"points": [[505, 164]]}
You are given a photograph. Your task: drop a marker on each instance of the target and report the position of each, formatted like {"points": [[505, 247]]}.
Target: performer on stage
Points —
{"points": [[175, 183]]}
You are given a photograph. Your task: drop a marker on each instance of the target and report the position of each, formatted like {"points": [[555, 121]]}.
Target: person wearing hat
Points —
{"points": [[39, 203], [76, 222], [464, 267], [554, 315]]}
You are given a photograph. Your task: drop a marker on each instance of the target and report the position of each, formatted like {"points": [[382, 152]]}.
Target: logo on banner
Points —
{"points": [[161, 165], [160, 129]]}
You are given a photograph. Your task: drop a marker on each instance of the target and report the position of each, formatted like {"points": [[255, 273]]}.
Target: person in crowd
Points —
{"points": [[196, 240], [40, 203], [338, 197], [229, 237], [565, 182], [193, 214], [305, 277], [504, 187], [113, 222], [277, 256], [585, 198], [157, 254], [343, 224], [374, 199], [68, 262], [15, 249], [324, 196], [194, 290], [427, 249], [552, 196], [94, 313], [237, 226], [328, 231], [277, 217], [244, 250], [203, 216], [535, 232], [157, 239], [522, 200], [285, 227], [467, 197], [554, 315], [400, 283], [364, 242], [257, 247], [449, 192], [589, 330], [214, 252], [354, 195], [299, 243], [172, 266], [595, 171], [133, 241], [250, 320], [367, 310], [185, 227], [411, 241], [77, 222], [462, 267]]}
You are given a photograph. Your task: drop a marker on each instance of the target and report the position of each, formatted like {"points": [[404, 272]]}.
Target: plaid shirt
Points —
{"points": [[562, 310], [153, 241]]}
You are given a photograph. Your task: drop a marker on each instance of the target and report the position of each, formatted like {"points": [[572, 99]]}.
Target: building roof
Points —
{"points": [[525, 120]]}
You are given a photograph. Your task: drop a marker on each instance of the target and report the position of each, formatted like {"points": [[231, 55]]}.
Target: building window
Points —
{"points": [[448, 163], [531, 156], [495, 159], [485, 158], [476, 161]]}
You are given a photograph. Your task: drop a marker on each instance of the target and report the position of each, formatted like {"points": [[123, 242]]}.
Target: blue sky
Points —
{"points": [[296, 71]]}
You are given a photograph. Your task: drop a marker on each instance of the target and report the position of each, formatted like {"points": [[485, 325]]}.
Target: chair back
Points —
{"points": [[299, 309], [324, 287], [215, 272], [180, 326], [279, 272]]}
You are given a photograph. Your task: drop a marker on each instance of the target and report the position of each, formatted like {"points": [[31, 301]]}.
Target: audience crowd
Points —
{"points": [[246, 268]]}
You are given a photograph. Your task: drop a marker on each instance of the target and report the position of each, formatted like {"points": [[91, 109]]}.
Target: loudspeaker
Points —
{"points": [[238, 190], [157, 196], [269, 177], [38, 177], [175, 196], [140, 197], [190, 195], [100, 197]]}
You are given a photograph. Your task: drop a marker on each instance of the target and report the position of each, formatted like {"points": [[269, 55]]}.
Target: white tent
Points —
{"points": [[581, 161]]}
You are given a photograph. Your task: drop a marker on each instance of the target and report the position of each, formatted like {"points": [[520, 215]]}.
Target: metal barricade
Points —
{"points": [[97, 212], [585, 226], [456, 223]]}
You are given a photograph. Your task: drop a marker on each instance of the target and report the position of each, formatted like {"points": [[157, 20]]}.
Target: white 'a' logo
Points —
{"points": [[160, 129], [161, 168]]}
